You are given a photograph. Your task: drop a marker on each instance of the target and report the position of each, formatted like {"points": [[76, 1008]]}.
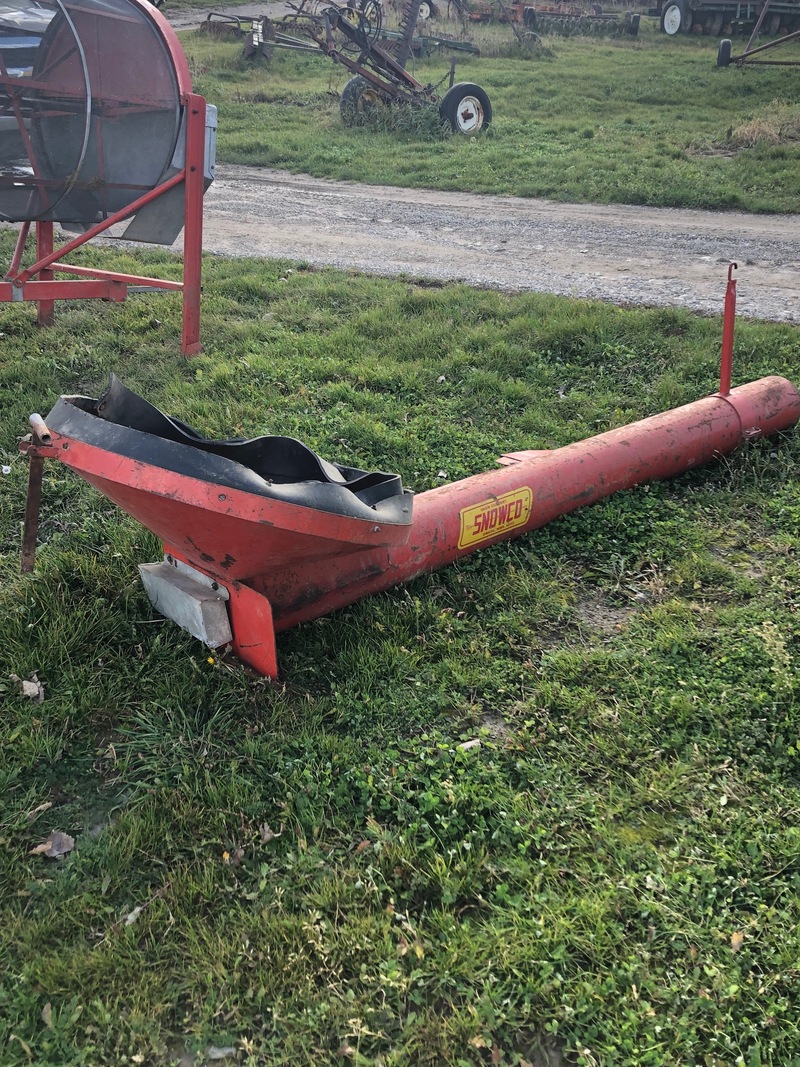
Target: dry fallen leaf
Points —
{"points": [[47, 1015], [346, 1050], [31, 816], [362, 846], [267, 833], [132, 916], [57, 844], [25, 1046], [737, 937], [33, 689], [213, 1052]]}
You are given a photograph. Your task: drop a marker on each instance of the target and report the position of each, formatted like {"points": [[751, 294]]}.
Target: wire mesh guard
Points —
{"points": [[90, 108]]}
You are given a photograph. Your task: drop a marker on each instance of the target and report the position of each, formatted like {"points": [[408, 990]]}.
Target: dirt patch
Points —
{"points": [[602, 617]]}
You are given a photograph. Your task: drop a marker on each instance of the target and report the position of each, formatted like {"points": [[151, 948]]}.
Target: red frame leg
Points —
{"points": [[45, 309], [253, 629]]}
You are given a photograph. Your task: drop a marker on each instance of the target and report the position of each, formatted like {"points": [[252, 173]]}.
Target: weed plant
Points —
{"points": [[648, 120], [317, 872]]}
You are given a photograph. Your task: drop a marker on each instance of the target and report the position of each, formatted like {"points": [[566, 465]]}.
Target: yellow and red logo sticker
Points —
{"points": [[495, 516]]}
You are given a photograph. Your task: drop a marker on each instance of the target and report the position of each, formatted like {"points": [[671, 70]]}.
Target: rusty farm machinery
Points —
{"points": [[562, 19], [353, 36]]}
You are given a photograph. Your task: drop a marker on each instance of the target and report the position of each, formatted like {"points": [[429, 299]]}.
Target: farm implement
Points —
{"points": [[751, 50], [260, 535], [350, 36], [565, 20]]}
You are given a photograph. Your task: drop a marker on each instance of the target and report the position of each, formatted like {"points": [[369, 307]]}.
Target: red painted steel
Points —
{"points": [[284, 564], [193, 223], [113, 285], [101, 289], [110, 285], [45, 309], [119, 216], [560, 482], [117, 276], [728, 324], [170, 39], [19, 249]]}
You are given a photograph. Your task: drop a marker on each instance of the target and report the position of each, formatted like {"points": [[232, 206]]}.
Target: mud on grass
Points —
{"points": [[318, 871]]}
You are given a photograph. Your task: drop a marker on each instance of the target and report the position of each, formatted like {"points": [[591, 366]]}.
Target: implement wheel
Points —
{"points": [[359, 99], [676, 17], [724, 53], [466, 108]]}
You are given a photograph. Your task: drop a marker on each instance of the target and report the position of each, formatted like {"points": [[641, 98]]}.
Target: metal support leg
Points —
{"points": [[193, 223], [46, 313]]}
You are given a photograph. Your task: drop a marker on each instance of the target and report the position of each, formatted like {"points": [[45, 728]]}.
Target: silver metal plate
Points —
{"points": [[191, 604]]}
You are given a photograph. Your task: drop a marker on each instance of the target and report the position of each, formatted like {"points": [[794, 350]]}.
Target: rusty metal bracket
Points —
{"points": [[36, 446]]}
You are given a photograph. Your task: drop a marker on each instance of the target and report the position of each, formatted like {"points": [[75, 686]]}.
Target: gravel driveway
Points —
{"points": [[626, 255]]}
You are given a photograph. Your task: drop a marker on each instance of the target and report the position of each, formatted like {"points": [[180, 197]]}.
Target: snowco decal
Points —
{"points": [[495, 516]]}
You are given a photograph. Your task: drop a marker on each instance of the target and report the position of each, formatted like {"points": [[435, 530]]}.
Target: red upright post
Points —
{"points": [[193, 222], [45, 309], [728, 322]]}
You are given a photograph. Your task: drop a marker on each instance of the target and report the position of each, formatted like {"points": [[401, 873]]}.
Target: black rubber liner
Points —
{"points": [[280, 468]]}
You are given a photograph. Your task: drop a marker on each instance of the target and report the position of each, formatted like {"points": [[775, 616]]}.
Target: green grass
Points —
{"points": [[613, 873], [647, 121]]}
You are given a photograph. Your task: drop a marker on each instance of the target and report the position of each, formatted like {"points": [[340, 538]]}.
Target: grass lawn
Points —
{"points": [[316, 872], [650, 120]]}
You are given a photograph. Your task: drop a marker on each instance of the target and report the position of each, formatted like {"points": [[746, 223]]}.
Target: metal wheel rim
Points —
{"points": [[424, 10], [672, 20], [369, 99], [469, 115]]}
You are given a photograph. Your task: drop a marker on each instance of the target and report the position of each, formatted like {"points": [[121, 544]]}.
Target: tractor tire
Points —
{"points": [[359, 98], [466, 108], [675, 17], [529, 18], [724, 53]]}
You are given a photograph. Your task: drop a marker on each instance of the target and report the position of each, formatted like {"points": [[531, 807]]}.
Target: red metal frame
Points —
{"points": [[38, 282]]}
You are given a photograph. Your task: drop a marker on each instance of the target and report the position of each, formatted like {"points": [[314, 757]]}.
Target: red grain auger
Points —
{"points": [[263, 534]]}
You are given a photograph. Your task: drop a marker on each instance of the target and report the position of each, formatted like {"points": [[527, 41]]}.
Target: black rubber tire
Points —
{"points": [[715, 24], [529, 18], [676, 17], [466, 107], [359, 97], [632, 20], [724, 53]]}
